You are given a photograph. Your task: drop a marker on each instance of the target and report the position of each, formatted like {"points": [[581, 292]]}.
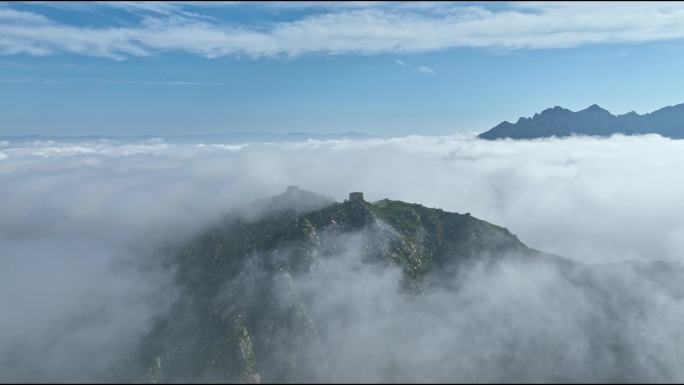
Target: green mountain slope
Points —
{"points": [[239, 318]]}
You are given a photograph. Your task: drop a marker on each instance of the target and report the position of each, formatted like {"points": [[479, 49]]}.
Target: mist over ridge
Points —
{"points": [[82, 224]]}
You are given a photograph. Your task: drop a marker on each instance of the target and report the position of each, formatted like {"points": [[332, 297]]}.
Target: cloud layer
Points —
{"points": [[329, 28], [82, 222], [515, 322]]}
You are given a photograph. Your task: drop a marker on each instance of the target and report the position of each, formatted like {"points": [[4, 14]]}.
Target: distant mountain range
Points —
{"points": [[593, 121], [229, 137]]}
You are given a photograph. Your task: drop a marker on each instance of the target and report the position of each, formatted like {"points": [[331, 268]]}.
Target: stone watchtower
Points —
{"points": [[356, 197]]}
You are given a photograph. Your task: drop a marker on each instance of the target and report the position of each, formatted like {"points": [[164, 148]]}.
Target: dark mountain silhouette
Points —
{"points": [[593, 121]]}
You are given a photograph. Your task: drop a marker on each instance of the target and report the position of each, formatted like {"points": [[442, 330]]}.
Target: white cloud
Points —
{"points": [[510, 323], [349, 30], [160, 7], [426, 70], [594, 185], [422, 69], [11, 15], [168, 83], [139, 82], [30, 81]]}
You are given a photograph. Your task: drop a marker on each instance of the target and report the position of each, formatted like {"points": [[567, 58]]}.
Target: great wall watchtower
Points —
{"points": [[356, 197]]}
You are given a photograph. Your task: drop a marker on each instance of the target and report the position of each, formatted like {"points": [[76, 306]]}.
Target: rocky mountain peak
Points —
{"points": [[595, 109]]}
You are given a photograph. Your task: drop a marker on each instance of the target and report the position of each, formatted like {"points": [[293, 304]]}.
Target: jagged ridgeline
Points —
{"points": [[593, 121], [240, 317]]}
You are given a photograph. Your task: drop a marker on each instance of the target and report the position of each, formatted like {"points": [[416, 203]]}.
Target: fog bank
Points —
{"points": [[81, 225]]}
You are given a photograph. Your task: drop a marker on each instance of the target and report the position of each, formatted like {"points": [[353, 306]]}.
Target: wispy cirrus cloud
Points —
{"points": [[12, 15], [30, 81], [422, 69], [372, 29], [168, 83], [132, 82], [426, 70]]}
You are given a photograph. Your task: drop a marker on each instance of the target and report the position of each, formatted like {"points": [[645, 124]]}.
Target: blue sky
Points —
{"points": [[376, 67]]}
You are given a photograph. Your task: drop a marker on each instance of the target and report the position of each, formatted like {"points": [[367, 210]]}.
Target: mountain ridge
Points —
{"points": [[217, 330], [593, 121], [274, 294]]}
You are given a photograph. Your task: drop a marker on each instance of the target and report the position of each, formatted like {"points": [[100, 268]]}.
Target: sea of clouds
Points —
{"points": [[81, 222]]}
